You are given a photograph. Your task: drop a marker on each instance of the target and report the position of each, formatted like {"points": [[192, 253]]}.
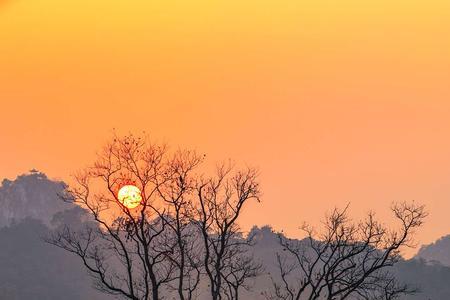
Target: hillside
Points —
{"points": [[30, 195], [31, 269], [439, 251]]}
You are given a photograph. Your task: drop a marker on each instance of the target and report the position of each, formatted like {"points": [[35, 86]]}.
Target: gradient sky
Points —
{"points": [[335, 101]]}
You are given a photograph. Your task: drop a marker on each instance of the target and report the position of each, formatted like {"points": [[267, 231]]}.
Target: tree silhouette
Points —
{"points": [[185, 226], [220, 202], [347, 260]]}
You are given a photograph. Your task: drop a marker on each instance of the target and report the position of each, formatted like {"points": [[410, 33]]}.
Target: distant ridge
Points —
{"points": [[30, 207], [30, 195], [437, 252], [30, 268]]}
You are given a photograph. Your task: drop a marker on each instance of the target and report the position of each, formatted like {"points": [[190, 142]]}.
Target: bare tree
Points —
{"points": [[177, 193], [220, 203], [348, 260], [156, 248], [138, 252], [241, 266]]}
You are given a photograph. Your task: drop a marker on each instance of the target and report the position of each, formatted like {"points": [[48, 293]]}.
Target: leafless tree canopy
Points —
{"points": [[184, 229], [220, 202], [347, 260]]}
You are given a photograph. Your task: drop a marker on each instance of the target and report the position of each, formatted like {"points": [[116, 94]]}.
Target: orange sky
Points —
{"points": [[335, 101]]}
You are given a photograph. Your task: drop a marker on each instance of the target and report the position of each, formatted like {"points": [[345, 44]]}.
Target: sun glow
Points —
{"points": [[130, 196]]}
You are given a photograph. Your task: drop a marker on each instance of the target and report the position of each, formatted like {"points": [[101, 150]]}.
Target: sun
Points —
{"points": [[130, 196]]}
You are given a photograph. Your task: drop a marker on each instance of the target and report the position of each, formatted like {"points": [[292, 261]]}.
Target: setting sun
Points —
{"points": [[130, 196], [134, 131]]}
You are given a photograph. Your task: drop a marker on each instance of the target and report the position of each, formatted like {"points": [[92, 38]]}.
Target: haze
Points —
{"points": [[336, 102]]}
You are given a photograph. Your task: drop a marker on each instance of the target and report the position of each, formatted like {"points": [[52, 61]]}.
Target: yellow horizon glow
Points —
{"points": [[335, 101]]}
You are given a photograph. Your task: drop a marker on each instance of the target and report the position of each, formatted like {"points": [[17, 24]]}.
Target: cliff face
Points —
{"points": [[30, 268], [30, 195]]}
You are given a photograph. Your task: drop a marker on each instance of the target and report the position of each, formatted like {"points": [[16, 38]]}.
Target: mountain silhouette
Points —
{"points": [[30, 195], [437, 252], [32, 269]]}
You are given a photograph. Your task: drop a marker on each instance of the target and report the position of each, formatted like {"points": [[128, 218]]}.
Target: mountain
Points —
{"points": [[430, 279], [32, 269], [30, 195], [438, 251]]}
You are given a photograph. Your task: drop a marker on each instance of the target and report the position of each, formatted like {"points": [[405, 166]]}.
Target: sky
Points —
{"points": [[336, 102]]}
